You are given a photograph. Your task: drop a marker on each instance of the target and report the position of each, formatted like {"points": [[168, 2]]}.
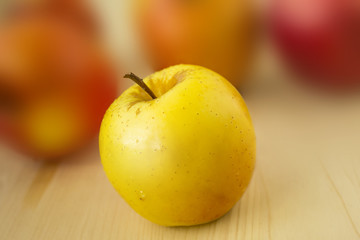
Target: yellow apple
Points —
{"points": [[185, 157], [217, 34]]}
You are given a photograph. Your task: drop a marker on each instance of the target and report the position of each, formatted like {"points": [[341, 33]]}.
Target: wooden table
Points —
{"points": [[306, 183]]}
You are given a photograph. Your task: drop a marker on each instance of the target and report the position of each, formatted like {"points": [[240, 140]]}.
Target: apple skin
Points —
{"points": [[219, 35], [56, 84], [184, 158], [320, 39]]}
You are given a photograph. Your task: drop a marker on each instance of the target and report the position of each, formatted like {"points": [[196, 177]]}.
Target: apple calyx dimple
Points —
{"points": [[141, 83]]}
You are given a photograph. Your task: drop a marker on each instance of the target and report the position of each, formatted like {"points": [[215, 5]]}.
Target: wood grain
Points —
{"points": [[306, 183]]}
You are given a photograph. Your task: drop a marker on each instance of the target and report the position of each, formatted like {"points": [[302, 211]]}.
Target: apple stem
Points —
{"points": [[140, 82]]}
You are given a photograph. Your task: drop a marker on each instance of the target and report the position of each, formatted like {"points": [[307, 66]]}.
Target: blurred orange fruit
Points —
{"points": [[56, 84], [217, 34]]}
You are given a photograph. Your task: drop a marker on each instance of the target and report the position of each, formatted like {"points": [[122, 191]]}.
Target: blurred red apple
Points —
{"points": [[76, 12], [320, 39], [216, 34], [55, 85]]}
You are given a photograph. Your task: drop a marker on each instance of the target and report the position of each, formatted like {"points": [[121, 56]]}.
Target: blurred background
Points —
{"points": [[73, 54]]}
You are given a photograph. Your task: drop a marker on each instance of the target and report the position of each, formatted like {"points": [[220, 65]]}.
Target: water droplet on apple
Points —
{"points": [[141, 195]]}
